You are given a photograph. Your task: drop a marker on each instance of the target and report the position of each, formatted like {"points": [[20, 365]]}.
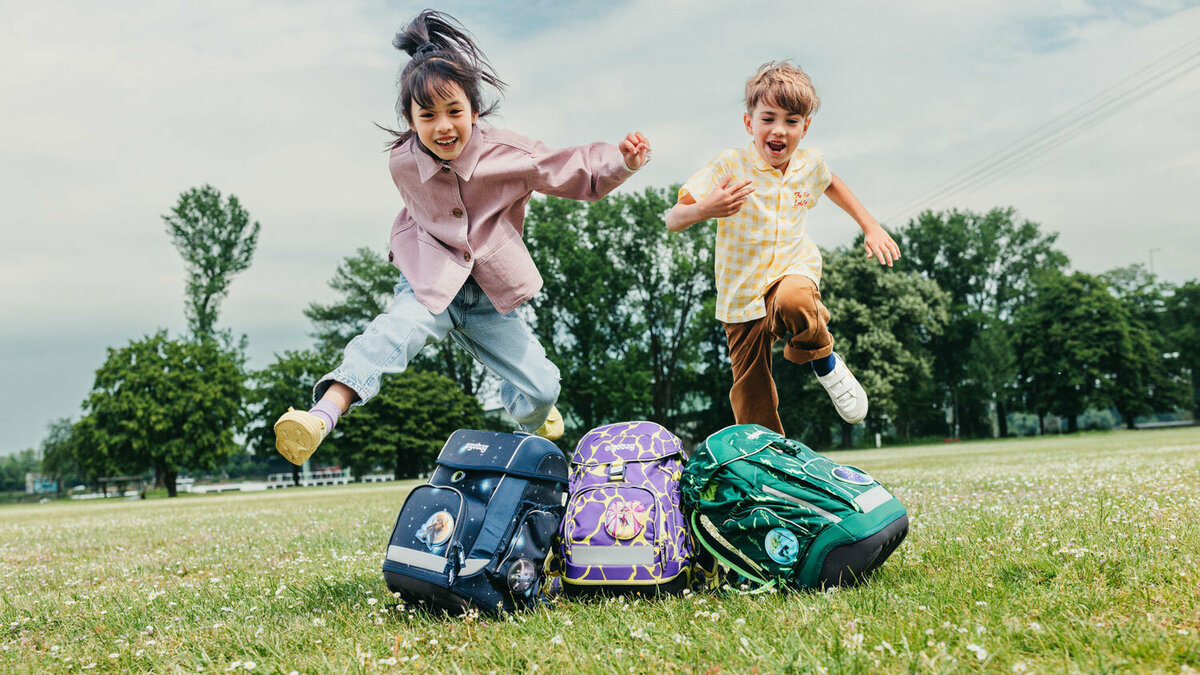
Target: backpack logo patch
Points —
{"points": [[437, 530], [848, 475], [482, 447], [625, 520], [782, 546]]}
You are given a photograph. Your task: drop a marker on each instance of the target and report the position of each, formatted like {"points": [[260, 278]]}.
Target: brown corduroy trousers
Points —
{"points": [[795, 314]]}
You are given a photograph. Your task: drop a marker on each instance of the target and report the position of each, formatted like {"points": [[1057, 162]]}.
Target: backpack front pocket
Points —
{"points": [[609, 531], [430, 532]]}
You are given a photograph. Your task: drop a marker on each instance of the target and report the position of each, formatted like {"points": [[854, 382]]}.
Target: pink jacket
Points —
{"points": [[465, 217]]}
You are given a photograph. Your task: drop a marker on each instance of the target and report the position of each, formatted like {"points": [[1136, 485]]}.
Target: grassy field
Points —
{"points": [[1044, 555]]}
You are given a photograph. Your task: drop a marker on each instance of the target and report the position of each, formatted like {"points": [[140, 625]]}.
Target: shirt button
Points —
{"points": [[466, 256], [457, 213], [446, 168]]}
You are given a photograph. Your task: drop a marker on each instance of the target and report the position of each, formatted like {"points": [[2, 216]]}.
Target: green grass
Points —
{"points": [[1049, 555]]}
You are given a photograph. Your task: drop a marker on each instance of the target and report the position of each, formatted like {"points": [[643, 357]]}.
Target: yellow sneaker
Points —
{"points": [[552, 428], [297, 435]]}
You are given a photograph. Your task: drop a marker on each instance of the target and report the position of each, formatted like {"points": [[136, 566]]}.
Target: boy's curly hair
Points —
{"points": [[785, 85]]}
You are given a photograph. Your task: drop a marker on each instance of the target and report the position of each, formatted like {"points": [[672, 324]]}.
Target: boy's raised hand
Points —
{"points": [[726, 200], [636, 150], [881, 245]]}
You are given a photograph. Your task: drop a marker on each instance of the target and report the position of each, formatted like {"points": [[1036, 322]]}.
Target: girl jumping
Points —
{"points": [[457, 241]]}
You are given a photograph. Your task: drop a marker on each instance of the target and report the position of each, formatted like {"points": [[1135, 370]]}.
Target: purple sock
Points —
{"points": [[329, 412]]}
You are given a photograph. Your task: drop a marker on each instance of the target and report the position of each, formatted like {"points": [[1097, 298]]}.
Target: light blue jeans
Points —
{"points": [[503, 343]]}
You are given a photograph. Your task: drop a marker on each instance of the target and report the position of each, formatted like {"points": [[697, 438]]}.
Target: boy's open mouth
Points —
{"points": [[776, 147]]}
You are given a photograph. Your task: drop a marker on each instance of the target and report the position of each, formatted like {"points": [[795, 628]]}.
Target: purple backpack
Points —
{"points": [[623, 529]]}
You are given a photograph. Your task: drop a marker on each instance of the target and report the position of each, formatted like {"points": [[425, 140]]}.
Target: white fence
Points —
{"points": [[310, 478]]}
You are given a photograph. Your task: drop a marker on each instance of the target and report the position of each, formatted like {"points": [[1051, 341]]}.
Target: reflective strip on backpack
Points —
{"points": [[808, 505], [611, 555], [431, 562], [876, 496]]}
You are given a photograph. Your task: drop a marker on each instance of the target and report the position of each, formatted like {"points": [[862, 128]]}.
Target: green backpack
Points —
{"points": [[773, 510]]}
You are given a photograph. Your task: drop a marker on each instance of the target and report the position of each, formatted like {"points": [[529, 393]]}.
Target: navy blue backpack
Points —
{"points": [[477, 534]]}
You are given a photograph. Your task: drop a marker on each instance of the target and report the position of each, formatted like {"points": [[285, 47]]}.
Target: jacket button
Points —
{"points": [[457, 213], [466, 256]]}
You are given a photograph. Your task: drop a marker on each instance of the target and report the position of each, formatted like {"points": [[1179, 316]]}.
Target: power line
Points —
{"points": [[1014, 159], [1062, 128], [1072, 111]]}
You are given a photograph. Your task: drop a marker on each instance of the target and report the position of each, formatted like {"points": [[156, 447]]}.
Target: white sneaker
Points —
{"points": [[847, 394]]}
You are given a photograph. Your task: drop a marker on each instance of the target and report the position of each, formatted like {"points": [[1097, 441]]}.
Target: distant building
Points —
{"points": [[36, 484]]}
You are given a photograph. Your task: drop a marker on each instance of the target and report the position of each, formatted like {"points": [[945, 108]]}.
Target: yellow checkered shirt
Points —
{"points": [[766, 240]]}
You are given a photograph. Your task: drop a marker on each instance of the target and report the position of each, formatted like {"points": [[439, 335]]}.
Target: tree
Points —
{"points": [[1183, 325], [62, 452], [217, 240], [14, 467], [703, 387], [672, 278], [883, 322], [626, 311], [366, 282], [583, 318], [1151, 380], [985, 262], [165, 405], [1072, 339], [406, 425]]}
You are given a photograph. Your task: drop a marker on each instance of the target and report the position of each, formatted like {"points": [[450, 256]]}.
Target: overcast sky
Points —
{"points": [[109, 110]]}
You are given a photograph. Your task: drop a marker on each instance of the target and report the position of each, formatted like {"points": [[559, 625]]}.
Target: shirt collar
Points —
{"points": [[463, 165]]}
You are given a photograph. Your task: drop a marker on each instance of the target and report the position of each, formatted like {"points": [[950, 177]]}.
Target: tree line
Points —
{"points": [[980, 330]]}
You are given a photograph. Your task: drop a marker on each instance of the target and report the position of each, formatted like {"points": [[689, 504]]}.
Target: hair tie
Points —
{"points": [[427, 48]]}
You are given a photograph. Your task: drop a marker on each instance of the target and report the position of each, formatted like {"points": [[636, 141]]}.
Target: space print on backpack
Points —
{"points": [[477, 535]]}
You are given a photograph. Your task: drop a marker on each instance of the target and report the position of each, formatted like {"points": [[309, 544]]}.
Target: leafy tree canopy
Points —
{"points": [[165, 405], [216, 239]]}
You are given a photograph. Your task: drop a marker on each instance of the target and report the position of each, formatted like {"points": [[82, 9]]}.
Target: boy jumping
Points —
{"points": [[767, 267]]}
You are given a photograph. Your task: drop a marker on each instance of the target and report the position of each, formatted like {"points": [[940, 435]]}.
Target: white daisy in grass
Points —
{"points": [[980, 652]]}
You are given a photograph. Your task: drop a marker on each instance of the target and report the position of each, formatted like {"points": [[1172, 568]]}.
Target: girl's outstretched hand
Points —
{"points": [[636, 150]]}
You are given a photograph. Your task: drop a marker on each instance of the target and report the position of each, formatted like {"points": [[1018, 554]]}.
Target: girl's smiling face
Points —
{"points": [[444, 127], [776, 132]]}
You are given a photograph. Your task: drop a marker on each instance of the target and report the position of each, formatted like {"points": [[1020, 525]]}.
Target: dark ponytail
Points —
{"points": [[442, 54]]}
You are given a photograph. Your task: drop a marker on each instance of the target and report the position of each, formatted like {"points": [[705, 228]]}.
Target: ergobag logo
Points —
{"points": [[622, 446], [482, 447], [754, 434]]}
